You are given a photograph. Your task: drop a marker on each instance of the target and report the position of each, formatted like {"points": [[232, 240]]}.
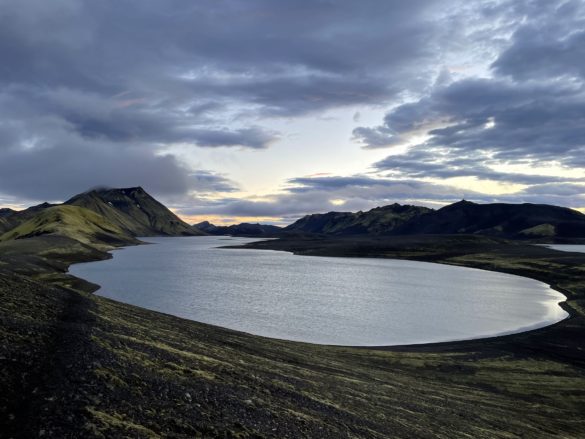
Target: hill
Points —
{"points": [[9, 218], [4, 223], [243, 229], [378, 221], [515, 221], [5, 212], [73, 222], [134, 211], [510, 221]]}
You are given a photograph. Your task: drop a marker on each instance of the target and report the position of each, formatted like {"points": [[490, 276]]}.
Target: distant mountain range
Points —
{"points": [[113, 217], [512, 221], [243, 229]]}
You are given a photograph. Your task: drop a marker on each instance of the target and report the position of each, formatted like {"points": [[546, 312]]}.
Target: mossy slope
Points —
{"points": [[134, 211], [74, 222]]}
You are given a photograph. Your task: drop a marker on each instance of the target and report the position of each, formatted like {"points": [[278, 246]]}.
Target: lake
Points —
{"points": [[327, 300], [577, 248]]}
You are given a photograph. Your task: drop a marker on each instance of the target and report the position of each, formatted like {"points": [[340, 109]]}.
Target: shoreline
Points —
{"points": [[454, 345], [538, 326]]}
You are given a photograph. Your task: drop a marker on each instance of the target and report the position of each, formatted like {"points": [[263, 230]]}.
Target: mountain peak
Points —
{"points": [[134, 210]]}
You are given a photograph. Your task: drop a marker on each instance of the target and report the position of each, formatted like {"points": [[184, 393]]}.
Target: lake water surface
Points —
{"points": [[567, 247], [342, 301]]}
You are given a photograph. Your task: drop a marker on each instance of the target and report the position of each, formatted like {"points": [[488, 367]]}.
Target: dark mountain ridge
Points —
{"points": [[379, 221], [517, 221], [512, 221]]}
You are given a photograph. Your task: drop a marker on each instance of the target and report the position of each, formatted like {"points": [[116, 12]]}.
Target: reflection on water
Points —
{"points": [[567, 247], [346, 301]]}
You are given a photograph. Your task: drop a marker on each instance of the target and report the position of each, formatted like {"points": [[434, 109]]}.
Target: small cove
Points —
{"points": [[327, 300], [577, 248]]}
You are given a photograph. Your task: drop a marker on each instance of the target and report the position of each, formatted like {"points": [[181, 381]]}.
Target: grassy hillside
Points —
{"points": [[13, 218], [134, 211], [4, 225], [73, 222]]}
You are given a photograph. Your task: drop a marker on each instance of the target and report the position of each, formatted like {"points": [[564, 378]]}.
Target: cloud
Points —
{"points": [[90, 94], [307, 195], [547, 46], [207, 182], [54, 173], [253, 137], [423, 161], [321, 194], [527, 111]]}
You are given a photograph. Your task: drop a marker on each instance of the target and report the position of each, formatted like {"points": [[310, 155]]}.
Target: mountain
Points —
{"points": [[73, 222], [243, 229], [378, 221], [516, 221], [9, 219], [134, 211], [5, 212], [511, 221], [206, 227]]}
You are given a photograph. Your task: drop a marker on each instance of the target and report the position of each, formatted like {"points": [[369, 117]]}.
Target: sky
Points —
{"points": [[263, 110]]}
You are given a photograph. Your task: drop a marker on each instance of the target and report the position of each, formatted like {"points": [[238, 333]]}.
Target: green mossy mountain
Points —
{"points": [[103, 218], [379, 221], [74, 222], [134, 211], [243, 229]]}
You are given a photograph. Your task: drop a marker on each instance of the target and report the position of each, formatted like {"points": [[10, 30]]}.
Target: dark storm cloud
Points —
{"points": [[56, 173], [551, 45], [253, 137], [426, 162], [513, 120], [211, 182], [116, 82]]}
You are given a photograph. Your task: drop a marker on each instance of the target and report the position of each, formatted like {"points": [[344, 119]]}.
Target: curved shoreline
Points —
{"points": [[532, 328], [321, 247]]}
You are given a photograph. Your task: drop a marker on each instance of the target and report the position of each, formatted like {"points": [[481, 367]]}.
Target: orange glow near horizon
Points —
{"points": [[13, 206], [227, 221]]}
